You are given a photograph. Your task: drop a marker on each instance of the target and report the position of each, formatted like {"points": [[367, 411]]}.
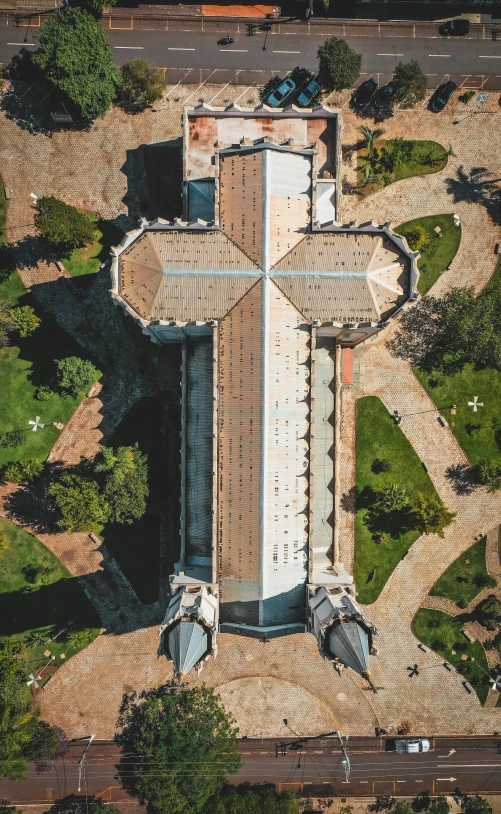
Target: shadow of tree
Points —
{"points": [[476, 187], [462, 479]]}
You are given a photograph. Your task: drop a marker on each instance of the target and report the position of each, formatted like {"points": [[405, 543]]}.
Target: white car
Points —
{"points": [[412, 746]]}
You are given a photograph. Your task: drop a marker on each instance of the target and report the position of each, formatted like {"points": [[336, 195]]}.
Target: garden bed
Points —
{"points": [[39, 599], [438, 252], [88, 259], [441, 633], [457, 583], [426, 157], [390, 443]]}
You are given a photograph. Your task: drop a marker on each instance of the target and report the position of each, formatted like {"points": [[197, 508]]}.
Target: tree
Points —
{"points": [[488, 474], [189, 732], [4, 544], [18, 721], [257, 799], [82, 804], [47, 744], [410, 83], [439, 805], [76, 57], [78, 503], [23, 471], [421, 802], [94, 7], [339, 65], [392, 498], [142, 84], [483, 580], [62, 225], [476, 804], [368, 177], [12, 438], [401, 807], [380, 465], [5, 321], [75, 375], [24, 321], [430, 514], [370, 136], [416, 238], [125, 482], [383, 802]]}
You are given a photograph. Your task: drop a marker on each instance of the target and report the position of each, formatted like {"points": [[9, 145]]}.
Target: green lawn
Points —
{"points": [[479, 434], [439, 251], [136, 547], [88, 259], [377, 436], [458, 581], [29, 606], [443, 638], [427, 157]]}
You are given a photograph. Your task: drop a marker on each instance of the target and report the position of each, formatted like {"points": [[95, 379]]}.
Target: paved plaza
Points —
{"points": [[100, 171]]}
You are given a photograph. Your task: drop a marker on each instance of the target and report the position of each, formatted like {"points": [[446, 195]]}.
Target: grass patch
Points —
{"points": [[88, 259], [438, 251], [458, 581], [406, 470], [427, 157], [136, 546], [441, 633], [479, 434], [34, 611]]}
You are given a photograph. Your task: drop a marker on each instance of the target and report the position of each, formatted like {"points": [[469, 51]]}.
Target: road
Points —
{"points": [[473, 764], [189, 51]]}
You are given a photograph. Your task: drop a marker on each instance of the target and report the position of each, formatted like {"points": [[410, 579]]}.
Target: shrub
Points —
{"points": [[142, 84], [24, 321], [465, 97], [62, 225], [43, 393], [13, 438], [380, 465], [416, 238], [4, 544], [75, 375], [23, 471]]}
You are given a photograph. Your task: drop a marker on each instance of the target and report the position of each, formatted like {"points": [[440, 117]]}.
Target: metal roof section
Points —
{"points": [[349, 642], [201, 199], [188, 643], [241, 200], [189, 629]]}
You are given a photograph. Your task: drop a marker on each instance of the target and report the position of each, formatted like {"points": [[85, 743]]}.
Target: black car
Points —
{"points": [[364, 93], [384, 96], [441, 96], [455, 28]]}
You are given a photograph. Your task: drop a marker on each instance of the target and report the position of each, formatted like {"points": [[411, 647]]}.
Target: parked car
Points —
{"points": [[278, 97], [455, 28], [441, 96], [364, 93], [384, 96], [413, 746], [307, 95]]}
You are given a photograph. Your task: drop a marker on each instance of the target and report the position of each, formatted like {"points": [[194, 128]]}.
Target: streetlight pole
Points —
{"points": [[82, 761], [345, 760]]}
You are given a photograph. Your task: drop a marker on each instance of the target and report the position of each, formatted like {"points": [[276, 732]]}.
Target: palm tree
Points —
{"points": [[369, 177], [370, 136]]}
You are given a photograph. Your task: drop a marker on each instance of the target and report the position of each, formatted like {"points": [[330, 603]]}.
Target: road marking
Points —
{"points": [[28, 44], [418, 781], [469, 765], [363, 781], [286, 52], [439, 55], [389, 55], [447, 779], [181, 49], [401, 781], [488, 56], [228, 50], [432, 74], [129, 47]]}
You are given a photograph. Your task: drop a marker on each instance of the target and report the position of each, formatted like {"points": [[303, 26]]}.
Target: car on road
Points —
{"points": [[412, 747], [384, 96], [280, 94], [309, 93], [454, 28], [441, 96], [365, 92]]}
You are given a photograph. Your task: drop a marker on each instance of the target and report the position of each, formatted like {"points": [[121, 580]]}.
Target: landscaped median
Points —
{"points": [[465, 577], [438, 249], [381, 162], [389, 478]]}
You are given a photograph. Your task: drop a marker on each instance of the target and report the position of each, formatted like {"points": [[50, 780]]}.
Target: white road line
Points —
{"points": [[231, 50], [488, 56], [432, 74], [129, 47], [181, 49], [286, 52], [28, 44], [389, 55], [439, 55]]}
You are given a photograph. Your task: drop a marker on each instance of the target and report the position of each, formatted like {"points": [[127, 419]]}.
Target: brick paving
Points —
{"points": [[102, 170]]}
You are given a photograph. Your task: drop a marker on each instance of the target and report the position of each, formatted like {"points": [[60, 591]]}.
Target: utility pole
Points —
{"points": [[345, 760], [82, 761]]}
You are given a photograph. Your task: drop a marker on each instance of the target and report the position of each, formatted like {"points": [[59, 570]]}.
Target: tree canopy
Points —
{"points": [[410, 83], [75, 374], [189, 733], [82, 804], [125, 482], [257, 799], [338, 64], [62, 225], [78, 503], [76, 57], [21, 320], [18, 722], [431, 515], [142, 84]]}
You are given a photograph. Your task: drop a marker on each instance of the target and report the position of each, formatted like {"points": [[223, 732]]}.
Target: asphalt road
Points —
{"points": [[472, 764], [189, 51]]}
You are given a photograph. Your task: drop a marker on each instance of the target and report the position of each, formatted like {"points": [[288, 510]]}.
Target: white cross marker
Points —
{"points": [[475, 404], [32, 680], [36, 423]]}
